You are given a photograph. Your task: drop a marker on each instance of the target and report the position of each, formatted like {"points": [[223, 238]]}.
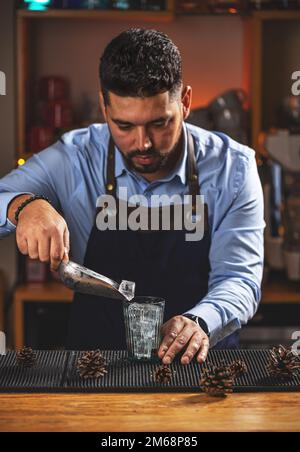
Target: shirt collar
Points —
{"points": [[179, 170], [120, 166]]}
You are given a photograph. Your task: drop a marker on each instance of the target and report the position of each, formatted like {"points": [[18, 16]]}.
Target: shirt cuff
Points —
{"points": [[5, 199]]}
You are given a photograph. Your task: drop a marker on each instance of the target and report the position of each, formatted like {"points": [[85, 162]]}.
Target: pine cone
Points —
{"points": [[163, 374], [92, 365], [217, 381], [283, 363], [26, 357], [238, 368]]}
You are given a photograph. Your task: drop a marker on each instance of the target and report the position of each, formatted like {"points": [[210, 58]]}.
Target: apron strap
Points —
{"points": [[110, 172], [193, 178], [192, 170]]}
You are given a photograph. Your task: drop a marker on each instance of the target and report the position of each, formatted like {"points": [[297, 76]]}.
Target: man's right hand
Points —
{"points": [[41, 232]]}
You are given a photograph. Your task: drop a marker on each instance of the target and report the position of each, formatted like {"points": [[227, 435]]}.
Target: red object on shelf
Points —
{"points": [[40, 137], [58, 114], [53, 88]]}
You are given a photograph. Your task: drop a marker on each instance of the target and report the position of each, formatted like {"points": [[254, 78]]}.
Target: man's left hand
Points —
{"points": [[181, 332]]}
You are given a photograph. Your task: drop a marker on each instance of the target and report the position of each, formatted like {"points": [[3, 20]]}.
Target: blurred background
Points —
{"points": [[242, 59]]}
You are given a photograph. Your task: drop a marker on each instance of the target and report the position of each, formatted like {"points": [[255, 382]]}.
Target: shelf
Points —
{"points": [[281, 291], [277, 15], [262, 21], [143, 15], [49, 291], [53, 291], [209, 13]]}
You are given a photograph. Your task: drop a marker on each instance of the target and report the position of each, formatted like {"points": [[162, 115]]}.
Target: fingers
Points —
{"points": [[167, 341], [197, 342], [66, 239], [57, 250], [181, 333], [178, 343], [170, 332], [33, 249], [43, 234], [44, 249], [193, 347], [204, 350], [60, 247], [22, 244], [47, 248]]}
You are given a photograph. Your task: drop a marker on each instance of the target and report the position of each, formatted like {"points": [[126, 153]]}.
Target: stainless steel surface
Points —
{"points": [[81, 279]]}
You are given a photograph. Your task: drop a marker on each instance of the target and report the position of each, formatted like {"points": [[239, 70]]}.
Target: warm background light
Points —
{"points": [[212, 47]]}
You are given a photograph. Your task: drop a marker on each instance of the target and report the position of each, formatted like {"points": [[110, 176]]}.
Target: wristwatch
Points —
{"points": [[200, 322]]}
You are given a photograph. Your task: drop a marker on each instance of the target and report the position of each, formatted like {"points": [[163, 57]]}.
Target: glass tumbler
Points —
{"points": [[143, 317]]}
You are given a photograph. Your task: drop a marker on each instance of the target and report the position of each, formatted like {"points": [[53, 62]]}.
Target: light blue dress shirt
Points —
{"points": [[72, 173]]}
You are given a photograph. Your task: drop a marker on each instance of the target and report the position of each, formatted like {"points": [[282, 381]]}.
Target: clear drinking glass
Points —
{"points": [[143, 318]]}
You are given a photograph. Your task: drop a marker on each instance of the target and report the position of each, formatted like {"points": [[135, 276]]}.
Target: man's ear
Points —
{"points": [[102, 105], [186, 100]]}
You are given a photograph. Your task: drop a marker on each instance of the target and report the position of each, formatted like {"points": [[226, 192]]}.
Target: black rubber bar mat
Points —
{"points": [[55, 371], [46, 375]]}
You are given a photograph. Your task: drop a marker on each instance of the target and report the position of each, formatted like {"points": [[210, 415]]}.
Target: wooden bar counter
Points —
{"points": [[132, 412]]}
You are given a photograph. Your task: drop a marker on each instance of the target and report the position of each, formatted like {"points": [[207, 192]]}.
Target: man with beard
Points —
{"points": [[211, 286]]}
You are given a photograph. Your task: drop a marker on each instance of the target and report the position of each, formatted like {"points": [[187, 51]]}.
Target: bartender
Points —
{"points": [[211, 286]]}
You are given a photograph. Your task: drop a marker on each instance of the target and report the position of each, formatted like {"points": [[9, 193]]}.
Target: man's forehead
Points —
{"points": [[126, 109], [160, 97]]}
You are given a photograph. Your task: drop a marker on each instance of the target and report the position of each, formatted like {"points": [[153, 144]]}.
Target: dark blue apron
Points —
{"points": [[162, 263]]}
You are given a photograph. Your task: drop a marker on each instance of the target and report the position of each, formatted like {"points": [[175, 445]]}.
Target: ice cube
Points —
{"points": [[127, 288]]}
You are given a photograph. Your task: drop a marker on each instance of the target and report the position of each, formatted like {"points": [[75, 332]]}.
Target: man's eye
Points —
{"points": [[160, 124], [121, 127]]}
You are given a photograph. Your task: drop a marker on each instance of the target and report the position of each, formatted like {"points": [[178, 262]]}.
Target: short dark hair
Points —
{"points": [[140, 63]]}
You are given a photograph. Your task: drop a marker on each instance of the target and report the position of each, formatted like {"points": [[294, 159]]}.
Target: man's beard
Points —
{"points": [[162, 157], [160, 160]]}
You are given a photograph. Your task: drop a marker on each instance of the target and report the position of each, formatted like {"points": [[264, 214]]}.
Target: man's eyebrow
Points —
{"points": [[127, 123]]}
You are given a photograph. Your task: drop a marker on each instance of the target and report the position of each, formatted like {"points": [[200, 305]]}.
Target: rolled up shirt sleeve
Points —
{"points": [[37, 176], [236, 259], [71, 173]]}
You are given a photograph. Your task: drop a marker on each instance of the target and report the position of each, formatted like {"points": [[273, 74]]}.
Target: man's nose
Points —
{"points": [[143, 141]]}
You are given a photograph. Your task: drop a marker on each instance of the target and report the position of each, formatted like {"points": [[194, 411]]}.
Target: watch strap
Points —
{"points": [[200, 322]]}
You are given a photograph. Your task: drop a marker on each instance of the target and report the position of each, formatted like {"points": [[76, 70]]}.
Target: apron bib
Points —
{"points": [[162, 263]]}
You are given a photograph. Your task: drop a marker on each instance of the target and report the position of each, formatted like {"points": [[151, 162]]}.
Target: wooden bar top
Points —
{"points": [[155, 412]]}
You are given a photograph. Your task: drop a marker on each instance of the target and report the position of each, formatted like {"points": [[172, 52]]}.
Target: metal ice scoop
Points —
{"points": [[81, 279]]}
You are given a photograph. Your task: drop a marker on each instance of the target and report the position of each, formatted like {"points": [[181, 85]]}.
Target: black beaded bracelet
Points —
{"points": [[27, 201]]}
